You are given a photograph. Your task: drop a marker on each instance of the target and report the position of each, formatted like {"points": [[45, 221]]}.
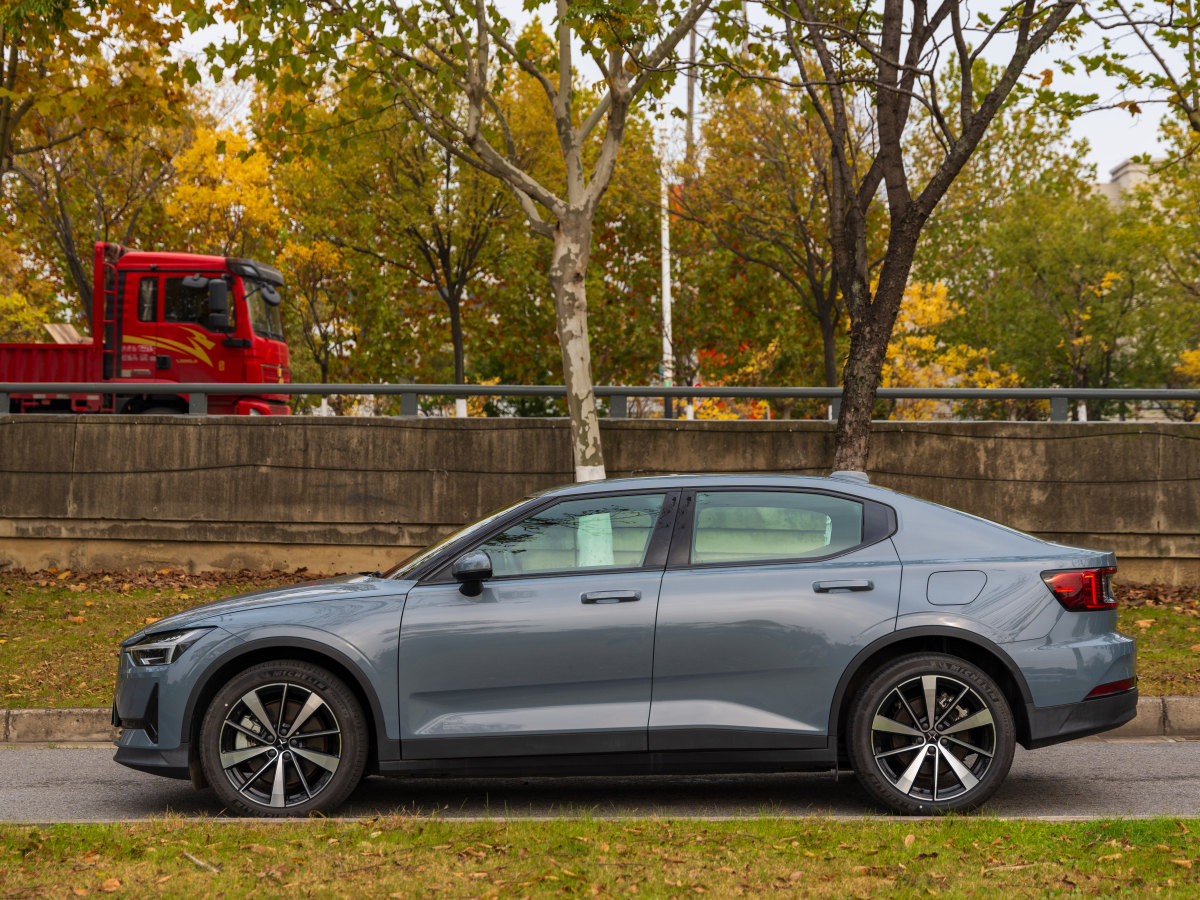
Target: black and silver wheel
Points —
{"points": [[931, 733], [283, 739]]}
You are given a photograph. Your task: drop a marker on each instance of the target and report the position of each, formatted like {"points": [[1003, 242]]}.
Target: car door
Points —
{"points": [[767, 596], [555, 654]]}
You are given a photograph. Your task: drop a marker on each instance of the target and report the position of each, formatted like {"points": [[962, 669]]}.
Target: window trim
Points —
{"points": [[879, 524], [437, 571]]}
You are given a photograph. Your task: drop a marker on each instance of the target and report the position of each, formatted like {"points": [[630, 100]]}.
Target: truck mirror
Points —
{"points": [[195, 282], [218, 305], [271, 295]]}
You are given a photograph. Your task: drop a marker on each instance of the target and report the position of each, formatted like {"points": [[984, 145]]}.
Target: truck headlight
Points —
{"points": [[165, 647]]}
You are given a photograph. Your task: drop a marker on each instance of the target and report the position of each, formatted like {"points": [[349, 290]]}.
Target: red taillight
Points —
{"points": [[1113, 687], [1082, 589]]}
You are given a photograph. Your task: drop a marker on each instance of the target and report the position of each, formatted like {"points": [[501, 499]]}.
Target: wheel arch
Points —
{"points": [[277, 649], [931, 639]]}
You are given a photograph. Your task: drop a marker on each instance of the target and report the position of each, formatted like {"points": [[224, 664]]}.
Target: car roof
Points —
{"points": [[841, 483]]}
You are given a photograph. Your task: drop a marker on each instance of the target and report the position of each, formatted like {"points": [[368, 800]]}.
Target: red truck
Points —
{"points": [[164, 318]]}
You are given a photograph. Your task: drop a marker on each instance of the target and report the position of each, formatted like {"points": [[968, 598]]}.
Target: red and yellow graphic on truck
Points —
{"points": [[165, 318]]}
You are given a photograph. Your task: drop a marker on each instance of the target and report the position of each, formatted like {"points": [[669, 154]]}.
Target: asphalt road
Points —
{"points": [[1078, 780]]}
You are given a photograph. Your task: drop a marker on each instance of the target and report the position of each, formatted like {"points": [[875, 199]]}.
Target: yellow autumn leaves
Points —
{"points": [[918, 357]]}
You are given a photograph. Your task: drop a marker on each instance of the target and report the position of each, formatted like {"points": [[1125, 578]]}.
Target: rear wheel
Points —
{"points": [[283, 739], [931, 733]]}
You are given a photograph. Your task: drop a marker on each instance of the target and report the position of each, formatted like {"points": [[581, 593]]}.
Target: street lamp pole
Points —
{"points": [[668, 360]]}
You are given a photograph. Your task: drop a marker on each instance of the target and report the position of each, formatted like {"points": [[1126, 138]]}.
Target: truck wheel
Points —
{"points": [[931, 733], [284, 738], [160, 411]]}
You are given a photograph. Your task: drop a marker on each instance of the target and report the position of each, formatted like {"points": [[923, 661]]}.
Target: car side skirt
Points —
{"points": [[681, 762]]}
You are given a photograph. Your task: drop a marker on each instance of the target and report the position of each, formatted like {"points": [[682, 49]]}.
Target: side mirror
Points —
{"points": [[471, 570], [195, 282], [271, 295], [218, 305]]}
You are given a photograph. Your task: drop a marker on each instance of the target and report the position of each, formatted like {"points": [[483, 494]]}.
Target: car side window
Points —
{"points": [[757, 526], [594, 533]]}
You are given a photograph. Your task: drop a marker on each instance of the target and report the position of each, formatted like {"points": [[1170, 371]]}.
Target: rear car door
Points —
{"points": [[555, 655], [767, 597]]}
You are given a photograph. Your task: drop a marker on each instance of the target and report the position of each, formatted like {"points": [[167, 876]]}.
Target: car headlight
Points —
{"points": [[165, 647]]}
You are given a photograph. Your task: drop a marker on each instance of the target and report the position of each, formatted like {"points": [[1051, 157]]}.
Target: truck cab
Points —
{"points": [[187, 318]]}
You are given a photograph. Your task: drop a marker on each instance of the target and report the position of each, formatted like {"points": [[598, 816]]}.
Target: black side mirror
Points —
{"points": [[218, 305], [195, 282], [271, 295], [471, 570]]}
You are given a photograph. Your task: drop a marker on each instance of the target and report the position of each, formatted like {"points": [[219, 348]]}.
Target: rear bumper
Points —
{"points": [[1055, 724]]}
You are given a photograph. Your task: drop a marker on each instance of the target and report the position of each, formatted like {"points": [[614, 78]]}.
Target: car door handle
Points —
{"points": [[834, 587], [610, 596]]}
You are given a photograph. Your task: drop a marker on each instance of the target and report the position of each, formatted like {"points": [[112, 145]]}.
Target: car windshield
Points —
{"points": [[264, 318], [402, 569]]}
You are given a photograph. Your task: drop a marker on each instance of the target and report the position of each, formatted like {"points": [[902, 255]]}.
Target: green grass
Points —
{"points": [[1168, 648], [952, 857], [48, 617]]}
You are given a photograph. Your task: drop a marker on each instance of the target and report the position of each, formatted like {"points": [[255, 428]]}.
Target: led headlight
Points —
{"points": [[165, 647]]}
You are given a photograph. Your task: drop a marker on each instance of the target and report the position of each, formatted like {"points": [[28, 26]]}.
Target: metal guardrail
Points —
{"points": [[618, 395]]}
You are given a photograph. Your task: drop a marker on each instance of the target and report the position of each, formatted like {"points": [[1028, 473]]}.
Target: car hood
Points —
{"points": [[310, 592]]}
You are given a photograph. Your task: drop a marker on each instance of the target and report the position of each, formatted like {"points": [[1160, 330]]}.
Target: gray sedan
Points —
{"points": [[694, 623]]}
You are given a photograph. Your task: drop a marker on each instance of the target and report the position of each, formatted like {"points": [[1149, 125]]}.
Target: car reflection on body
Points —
{"points": [[669, 624]]}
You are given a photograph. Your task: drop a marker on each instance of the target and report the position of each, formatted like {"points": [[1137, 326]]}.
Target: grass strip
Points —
{"points": [[405, 857], [49, 617]]}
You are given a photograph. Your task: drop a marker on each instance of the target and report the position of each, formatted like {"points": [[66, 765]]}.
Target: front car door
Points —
{"points": [[767, 597], [555, 655]]}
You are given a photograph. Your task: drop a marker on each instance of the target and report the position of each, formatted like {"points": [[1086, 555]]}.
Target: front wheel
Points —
{"points": [[931, 733], [283, 738]]}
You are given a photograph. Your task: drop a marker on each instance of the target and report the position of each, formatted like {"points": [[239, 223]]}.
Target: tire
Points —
{"points": [[160, 411], [306, 759], [893, 747]]}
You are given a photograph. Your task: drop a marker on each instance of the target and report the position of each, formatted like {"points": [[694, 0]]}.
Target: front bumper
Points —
{"points": [[1055, 724], [173, 763]]}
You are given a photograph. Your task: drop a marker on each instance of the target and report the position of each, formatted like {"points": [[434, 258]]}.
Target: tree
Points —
{"points": [[73, 193], [892, 56], [430, 215], [81, 67], [1164, 67], [223, 200], [419, 55], [920, 356], [1076, 294], [764, 195]]}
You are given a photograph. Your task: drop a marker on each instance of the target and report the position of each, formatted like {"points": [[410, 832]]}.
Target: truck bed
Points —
{"points": [[49, 362]]}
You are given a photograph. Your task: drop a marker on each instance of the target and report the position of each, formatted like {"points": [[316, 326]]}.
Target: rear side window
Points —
{"points": [[595, 533], [759, 526]]}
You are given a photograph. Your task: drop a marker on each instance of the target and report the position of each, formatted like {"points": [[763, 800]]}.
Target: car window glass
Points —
{"points": [[751, 526], [594, 533]]}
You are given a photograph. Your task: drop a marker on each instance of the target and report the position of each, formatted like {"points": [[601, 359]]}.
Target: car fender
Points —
{"points": [[314, 641], [942, 629]]}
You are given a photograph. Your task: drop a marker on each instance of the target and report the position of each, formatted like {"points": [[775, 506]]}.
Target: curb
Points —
{"points": [[1177, 717]]}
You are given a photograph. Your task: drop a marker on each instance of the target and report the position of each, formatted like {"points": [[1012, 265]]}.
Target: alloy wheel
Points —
{"points": [[280, 745], [933, 737]]}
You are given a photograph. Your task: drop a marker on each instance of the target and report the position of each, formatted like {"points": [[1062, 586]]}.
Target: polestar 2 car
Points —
{"points": [[689, 623]]}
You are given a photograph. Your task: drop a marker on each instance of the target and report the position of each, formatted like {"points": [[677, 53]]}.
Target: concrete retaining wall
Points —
{"points": [[117, 492]]}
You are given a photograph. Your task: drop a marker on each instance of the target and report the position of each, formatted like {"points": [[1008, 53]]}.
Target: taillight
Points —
{"points": [[1082, 589]]}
